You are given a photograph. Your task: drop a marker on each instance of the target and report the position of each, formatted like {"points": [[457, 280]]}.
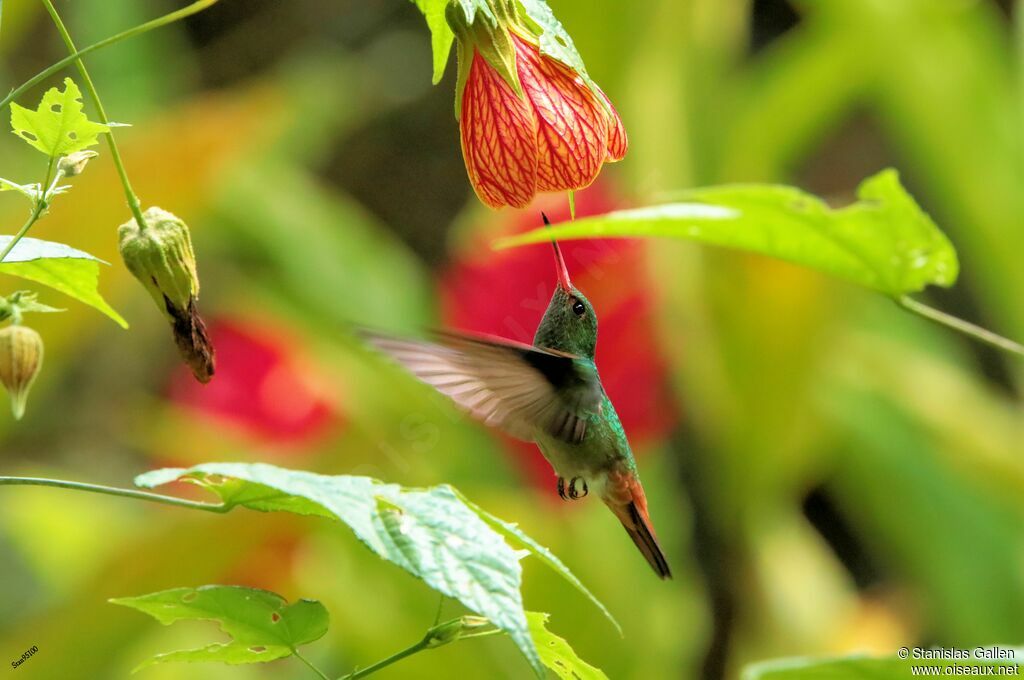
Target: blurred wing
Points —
{"points": [[516, 388]]}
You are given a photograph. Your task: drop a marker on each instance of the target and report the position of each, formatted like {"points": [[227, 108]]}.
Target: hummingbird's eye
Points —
{"points": [[578, 308]]}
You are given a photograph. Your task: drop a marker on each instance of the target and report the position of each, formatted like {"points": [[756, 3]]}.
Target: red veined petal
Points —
{"points": [[499, 138], [618, 142], [572, 125]]}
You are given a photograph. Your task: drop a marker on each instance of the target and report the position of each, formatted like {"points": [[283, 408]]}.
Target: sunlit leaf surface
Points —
{"points": [[884, 241]]}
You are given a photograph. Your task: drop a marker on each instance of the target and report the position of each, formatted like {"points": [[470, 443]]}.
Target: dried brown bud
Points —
{"points": [[160, 256], [21, 357]]}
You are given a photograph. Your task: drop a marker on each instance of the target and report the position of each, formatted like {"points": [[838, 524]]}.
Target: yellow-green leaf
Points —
{"points": [[58, 126], [262, 624], [63, 268], [884, 241], [556, 654]]}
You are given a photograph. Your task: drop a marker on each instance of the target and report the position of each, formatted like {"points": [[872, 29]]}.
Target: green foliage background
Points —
{"points": [[844, 477]]}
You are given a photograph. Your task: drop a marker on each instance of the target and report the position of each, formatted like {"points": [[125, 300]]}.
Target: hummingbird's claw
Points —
{"points": [[577, 489], [575, 492]]}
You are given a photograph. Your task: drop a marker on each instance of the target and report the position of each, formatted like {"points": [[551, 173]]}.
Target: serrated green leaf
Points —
{"points": [[884, 242], [431, 533], [58, 126], [61, 267], [556, 653], [521, 540], [264, 627], [555, 41], [441, 36], [861, 667]]}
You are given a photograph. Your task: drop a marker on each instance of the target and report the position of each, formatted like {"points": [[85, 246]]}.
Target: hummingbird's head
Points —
{"points": [[569, 324]]}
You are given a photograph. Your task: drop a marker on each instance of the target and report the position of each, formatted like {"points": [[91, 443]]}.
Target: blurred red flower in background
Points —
{"points": [[264, 386], [505, 293]]}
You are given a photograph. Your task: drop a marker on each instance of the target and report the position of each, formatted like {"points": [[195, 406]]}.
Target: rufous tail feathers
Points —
{"points": [[625, 497]]}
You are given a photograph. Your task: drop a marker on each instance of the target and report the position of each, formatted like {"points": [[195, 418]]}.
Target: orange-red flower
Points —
{"points": [[529, 123]]}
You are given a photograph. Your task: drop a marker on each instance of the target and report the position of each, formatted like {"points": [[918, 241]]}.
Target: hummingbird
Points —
{"points": [[548, 393]]}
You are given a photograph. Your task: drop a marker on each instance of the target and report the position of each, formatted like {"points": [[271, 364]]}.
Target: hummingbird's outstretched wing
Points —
{"points": [[515, 387]]}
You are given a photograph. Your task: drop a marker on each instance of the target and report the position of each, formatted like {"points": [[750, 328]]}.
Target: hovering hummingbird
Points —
{"points": [[548, 393]]}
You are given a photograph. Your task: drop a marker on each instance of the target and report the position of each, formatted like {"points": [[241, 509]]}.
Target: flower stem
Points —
{"points": [[169, 18], [90, 87], [114, 491], [36, 212], [965, 327], [42, 203], [313, 668], [431, 640], [384, 663]]}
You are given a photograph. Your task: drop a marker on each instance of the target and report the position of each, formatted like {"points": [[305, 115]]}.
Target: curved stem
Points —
{"points": [[90, 87], [169, 18], [310, 664], [114, 491], [957, 324]]}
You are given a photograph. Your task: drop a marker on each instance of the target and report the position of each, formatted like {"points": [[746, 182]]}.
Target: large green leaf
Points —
{"points": [[869, 668], [522, 541], [884, 241], [431, 533], [58, 126], [61, 267], [556, 653], [264, 627]]}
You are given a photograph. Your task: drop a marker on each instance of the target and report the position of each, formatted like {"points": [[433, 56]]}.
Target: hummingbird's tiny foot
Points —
{"points": [[578, 488], [561, 489]]}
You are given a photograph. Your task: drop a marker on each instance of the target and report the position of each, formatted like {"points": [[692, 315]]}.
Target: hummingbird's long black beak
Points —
{"points": [[563, 272]]}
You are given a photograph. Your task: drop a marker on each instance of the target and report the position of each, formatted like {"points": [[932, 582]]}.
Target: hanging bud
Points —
{"points": [[21, 356], [73, 164], [161, 258]]}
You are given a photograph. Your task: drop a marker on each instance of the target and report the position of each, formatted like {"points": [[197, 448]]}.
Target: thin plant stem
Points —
{"points": [[42, 202], [310, 664], [90, 87], [169, 18], [440, 606], [429, 641], [36, 212], [977, 332], [115, 491], [384, 663]]}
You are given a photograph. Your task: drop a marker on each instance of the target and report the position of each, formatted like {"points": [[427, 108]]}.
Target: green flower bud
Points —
{"points": [[450, 631], [73, 164], [161, 258], [21, 357]]}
